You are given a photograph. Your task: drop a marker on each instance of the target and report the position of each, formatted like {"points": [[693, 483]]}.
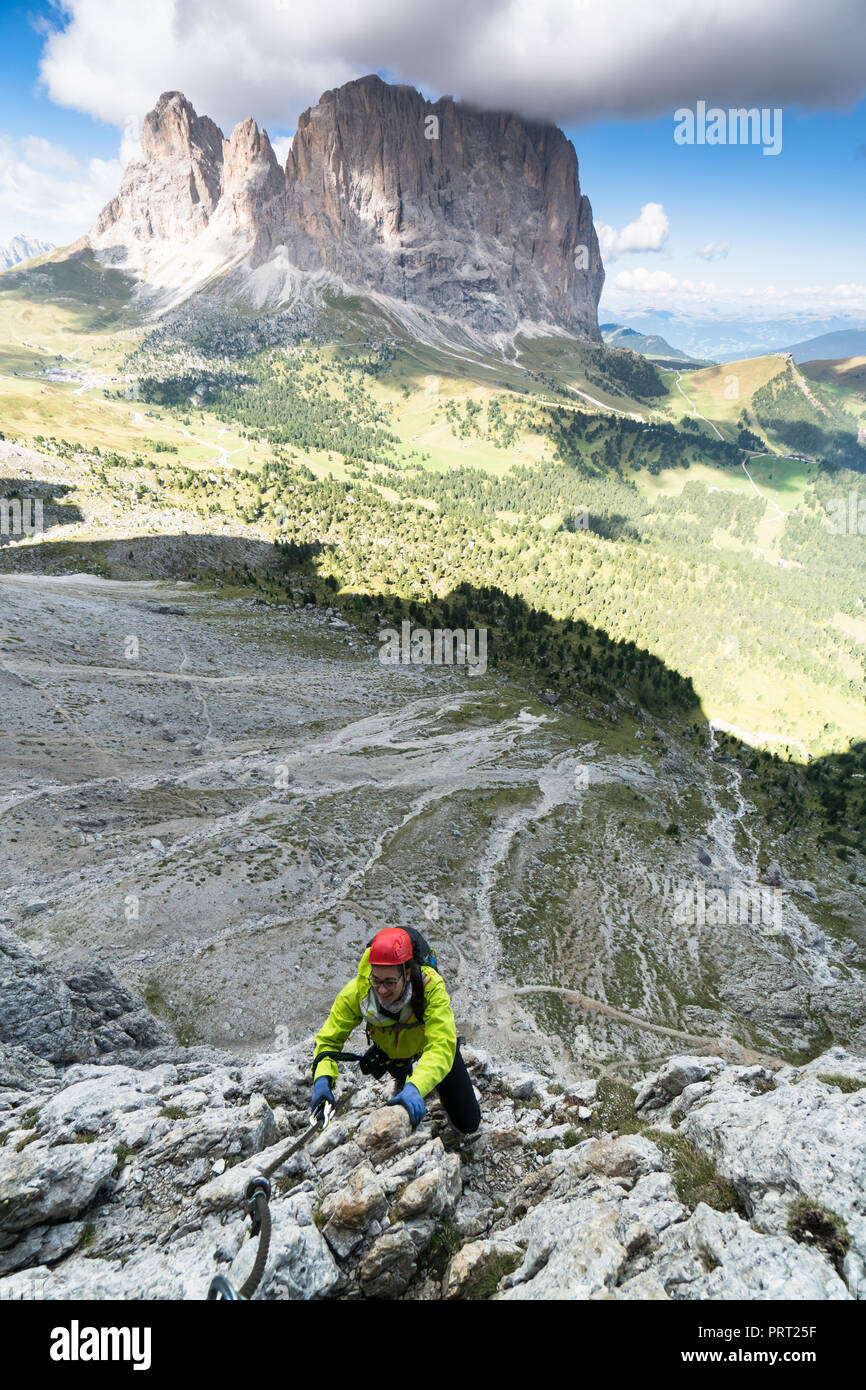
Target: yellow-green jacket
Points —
{"points": [[435, 1039]]}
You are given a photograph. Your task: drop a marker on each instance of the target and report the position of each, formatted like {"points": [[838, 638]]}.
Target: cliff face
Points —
{"points": [[170, 193], [188, 208], [474, 215]]}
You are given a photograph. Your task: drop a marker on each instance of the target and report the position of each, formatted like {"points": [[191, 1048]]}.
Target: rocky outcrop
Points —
{"points": [[189, 207], [251, 177], [474, 216], [801, 1141], [125, 1177], [66, 1018]]}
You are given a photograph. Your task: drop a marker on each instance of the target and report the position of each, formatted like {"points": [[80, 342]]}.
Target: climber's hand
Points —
{"points": [[322, 1095], [412, 1100]]}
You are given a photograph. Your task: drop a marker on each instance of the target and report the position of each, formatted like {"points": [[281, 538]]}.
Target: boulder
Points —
{"points": [[51, 1182], [476, 1269], [389, 1265], [351, 1212], [674, 1076]]}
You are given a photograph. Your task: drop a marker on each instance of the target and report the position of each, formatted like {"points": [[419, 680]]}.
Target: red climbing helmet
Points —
{"points": [[392, 946]]}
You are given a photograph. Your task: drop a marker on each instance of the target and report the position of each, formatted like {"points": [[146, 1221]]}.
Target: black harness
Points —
{"points": [[374, 1062]]}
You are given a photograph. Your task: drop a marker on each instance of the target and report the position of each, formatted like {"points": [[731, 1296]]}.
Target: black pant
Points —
{"points": [[456, 1094]]}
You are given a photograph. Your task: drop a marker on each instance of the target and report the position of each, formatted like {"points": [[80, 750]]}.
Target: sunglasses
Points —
{"points": [[391, 982]]}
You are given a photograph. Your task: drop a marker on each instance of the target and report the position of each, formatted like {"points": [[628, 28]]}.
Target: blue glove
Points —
{"points": [[322, 1092], [413, 1101]]}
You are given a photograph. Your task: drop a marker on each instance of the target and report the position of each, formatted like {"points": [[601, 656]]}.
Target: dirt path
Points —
{"points": [[224, 454], [813, 400], [724, 1046], [769, 501], [692, 406], [611, 409]]}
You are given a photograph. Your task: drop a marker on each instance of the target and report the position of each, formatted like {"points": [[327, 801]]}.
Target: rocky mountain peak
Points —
{"points": [[475, 217], [173, 129], [22, 248], [471, 213], [249, 146], [251, 176], [167, 197]]}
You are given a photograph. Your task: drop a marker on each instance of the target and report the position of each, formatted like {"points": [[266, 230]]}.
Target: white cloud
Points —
{"points": [[46, 191], [565, 60], [44, 155], [130, 141], [648, 233], [281, 149], [645, 281], [714, 251], [631, 291]]}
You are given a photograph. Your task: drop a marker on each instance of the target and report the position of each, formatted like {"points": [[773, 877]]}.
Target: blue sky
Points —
{"points": [[25, 110], [781, 235], [784, 215]]}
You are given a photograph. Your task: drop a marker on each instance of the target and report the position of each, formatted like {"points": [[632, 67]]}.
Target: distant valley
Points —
{"points": [[304, 418]]}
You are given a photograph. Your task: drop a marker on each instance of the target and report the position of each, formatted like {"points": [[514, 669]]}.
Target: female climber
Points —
{"points": [[408, 1017]]}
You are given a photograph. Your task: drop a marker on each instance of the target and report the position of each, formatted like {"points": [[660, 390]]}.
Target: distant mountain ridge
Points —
{"points": [[22, 248], [650, 345], [849, 342], [472, 215], [727, 336]]}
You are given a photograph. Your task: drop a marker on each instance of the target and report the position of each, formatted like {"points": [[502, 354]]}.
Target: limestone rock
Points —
{"points": [[110, 1181], [628, 1156], [64, 1020], [42, 1245], [717, 1255], [50, 1183], [389, 1265], [22, 1070], [362, 1202], [569, 1253], [674, 1076], [475, 1263], [381, 1135], [102, 1000], [801, 1139], [36, 1007], [183, 155], [300, 1264]]}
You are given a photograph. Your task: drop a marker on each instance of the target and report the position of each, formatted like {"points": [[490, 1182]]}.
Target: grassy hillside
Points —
{"points": [[573, 481], [56, 309], [844, 381], [721, 393]]}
